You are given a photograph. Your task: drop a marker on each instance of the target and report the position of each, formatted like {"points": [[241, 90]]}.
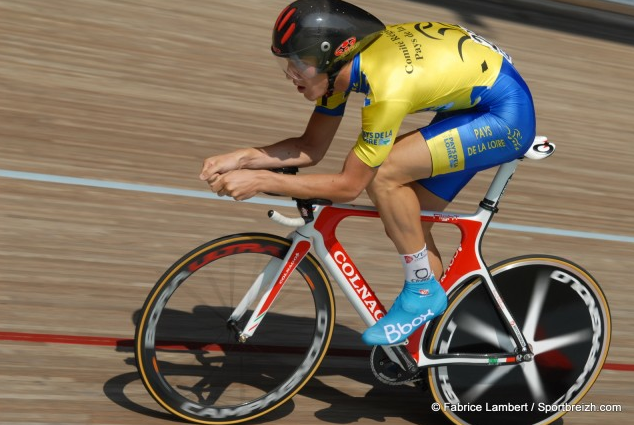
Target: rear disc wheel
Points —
{"points": [[564, 316]]}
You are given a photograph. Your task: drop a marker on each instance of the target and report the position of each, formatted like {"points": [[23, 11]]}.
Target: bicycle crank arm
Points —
{"points": [[399, 355]]}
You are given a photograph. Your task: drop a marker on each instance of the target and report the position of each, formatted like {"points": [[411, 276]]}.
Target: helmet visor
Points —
{"points": [[298, 69]]}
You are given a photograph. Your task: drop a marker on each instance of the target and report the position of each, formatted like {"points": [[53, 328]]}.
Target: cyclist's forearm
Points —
{"points": [[291, 152], [339, 187], [302, 151], [282, 154], [326, 186]]}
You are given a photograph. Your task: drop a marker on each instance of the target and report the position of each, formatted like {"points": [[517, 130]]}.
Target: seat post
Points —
{"points": [[496, 189]]}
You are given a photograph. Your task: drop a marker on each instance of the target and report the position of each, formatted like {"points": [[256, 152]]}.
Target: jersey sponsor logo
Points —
{"points": [[452, 152], [377, 138], [515, 137], [440, 31], [412, 43], [447, 152], [482, 132], [485, 146]]}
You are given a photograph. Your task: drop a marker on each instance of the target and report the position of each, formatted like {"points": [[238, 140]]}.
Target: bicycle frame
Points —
{"points": [[317, 230]]}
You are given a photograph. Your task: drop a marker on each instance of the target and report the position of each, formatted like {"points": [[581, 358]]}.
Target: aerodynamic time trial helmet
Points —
{"points": [[325, 34]]}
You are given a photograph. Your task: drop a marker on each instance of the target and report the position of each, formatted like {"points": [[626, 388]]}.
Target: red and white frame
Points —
{"points": [[320, 234]]}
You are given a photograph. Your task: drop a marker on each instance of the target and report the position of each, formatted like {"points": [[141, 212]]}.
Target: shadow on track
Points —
{"points": [[345, 362]]}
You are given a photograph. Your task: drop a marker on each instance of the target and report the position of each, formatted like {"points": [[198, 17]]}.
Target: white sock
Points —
{"points": [[416, 266]]}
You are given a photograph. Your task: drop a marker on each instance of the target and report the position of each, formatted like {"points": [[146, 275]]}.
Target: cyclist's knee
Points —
{"points": [[376, 188], [384, 181]]}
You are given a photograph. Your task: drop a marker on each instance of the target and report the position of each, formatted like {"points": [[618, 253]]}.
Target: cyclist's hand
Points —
{"points": [[216, 165], [239, 184]]}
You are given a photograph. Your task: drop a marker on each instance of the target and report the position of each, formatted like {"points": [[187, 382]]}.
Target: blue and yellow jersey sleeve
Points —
{"points": [[380, 125]]}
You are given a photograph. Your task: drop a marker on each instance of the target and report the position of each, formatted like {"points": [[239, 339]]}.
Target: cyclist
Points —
{"points": [[484, 117]]}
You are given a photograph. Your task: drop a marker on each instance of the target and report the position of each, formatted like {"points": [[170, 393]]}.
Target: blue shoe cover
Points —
{"points": [[417, 304]]}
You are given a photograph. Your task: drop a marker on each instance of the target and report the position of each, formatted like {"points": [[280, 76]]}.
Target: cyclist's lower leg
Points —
{"points": [[422, 298], [429, 201]]}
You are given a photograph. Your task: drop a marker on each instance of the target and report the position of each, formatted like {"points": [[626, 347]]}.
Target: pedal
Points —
{"points": [[390, 372]]}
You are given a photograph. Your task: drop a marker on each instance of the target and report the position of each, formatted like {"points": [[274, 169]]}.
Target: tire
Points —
{"points": [[190, 361], [564, 316]]}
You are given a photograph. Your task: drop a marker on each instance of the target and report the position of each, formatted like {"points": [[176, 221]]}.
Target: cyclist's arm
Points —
{"points": [[340, 187], [344, 186], [381, 121], [305, 150]]}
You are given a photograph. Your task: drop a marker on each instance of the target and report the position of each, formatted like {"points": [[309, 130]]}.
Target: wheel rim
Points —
{"points": [[192, 363]]}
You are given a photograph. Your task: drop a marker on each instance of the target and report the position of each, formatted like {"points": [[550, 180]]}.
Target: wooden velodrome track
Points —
{"points": [[139, 92]]}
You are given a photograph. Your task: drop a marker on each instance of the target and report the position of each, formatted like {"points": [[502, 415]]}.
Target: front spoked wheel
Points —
{"points": [[564, 316], [190, 360]]}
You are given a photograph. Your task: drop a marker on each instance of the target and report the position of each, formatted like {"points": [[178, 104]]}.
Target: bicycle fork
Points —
{"points": [[275, 274]]}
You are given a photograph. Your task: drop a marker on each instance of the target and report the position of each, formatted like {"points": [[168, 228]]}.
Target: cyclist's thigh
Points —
{"points": [[429, 202], [465, 143], [408, 161], [451, 138]]}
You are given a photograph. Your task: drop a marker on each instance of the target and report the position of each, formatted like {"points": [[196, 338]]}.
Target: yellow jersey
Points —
{"points": [[414, 67]]}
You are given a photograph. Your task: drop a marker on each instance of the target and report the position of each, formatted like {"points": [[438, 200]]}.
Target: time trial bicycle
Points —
{"points": [[236, 327]]}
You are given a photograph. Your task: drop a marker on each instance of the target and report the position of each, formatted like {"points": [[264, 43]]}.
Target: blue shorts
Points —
{"points": [[499, 129]]}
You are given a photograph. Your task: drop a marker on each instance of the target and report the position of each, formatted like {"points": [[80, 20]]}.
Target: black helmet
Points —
{"points": [[329, 32]]}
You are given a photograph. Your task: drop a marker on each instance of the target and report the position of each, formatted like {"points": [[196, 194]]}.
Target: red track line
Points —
{"points": [[64, 339], [128, 343]]}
